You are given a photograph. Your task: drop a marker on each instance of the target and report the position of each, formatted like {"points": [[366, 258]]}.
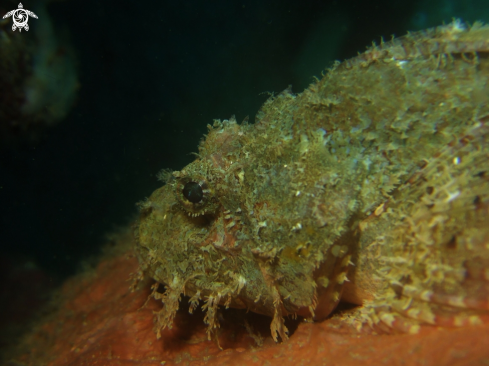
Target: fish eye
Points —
{"points": [[195, 196], [192, 191]]}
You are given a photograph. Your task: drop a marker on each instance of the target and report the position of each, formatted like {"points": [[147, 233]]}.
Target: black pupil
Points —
{"points": [[193, 192]]}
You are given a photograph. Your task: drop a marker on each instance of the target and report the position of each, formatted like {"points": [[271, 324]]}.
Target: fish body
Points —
{"points": [[371, 186]]}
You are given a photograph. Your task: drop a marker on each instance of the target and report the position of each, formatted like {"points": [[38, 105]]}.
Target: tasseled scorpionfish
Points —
{"points": [[370, 187]]}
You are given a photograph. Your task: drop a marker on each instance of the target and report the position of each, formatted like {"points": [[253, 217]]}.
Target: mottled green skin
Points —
{"points": [[298, 203]]}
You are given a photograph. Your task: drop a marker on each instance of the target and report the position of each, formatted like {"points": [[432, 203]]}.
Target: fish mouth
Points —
{"points": [[221, 230]]}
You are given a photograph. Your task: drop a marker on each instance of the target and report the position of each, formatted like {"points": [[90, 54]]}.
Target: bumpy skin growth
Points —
{"points": [[372, 186]]}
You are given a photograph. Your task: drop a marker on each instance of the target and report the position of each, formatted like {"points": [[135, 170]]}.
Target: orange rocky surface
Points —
{"points": [[99, 321]]}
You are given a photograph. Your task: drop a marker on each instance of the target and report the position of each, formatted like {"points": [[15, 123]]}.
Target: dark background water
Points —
{"points": [[152, 75]]}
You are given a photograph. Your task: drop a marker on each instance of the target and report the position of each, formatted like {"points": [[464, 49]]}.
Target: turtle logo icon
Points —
{"points": [[20, 17]]}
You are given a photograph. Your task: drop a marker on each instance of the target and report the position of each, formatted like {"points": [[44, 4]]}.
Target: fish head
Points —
{"points": [[247, 224], [192, 232]]}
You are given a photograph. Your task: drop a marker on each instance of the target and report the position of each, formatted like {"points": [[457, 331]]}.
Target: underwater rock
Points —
{"points": [[38, 77], [99, 321], [23, 286], [370, 187]]}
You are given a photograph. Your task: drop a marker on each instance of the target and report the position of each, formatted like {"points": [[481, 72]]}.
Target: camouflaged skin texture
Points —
{"points": [[371, 186]]}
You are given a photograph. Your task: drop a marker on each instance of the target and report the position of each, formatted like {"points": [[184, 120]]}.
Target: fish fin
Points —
{"points": [[433, 259]]}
